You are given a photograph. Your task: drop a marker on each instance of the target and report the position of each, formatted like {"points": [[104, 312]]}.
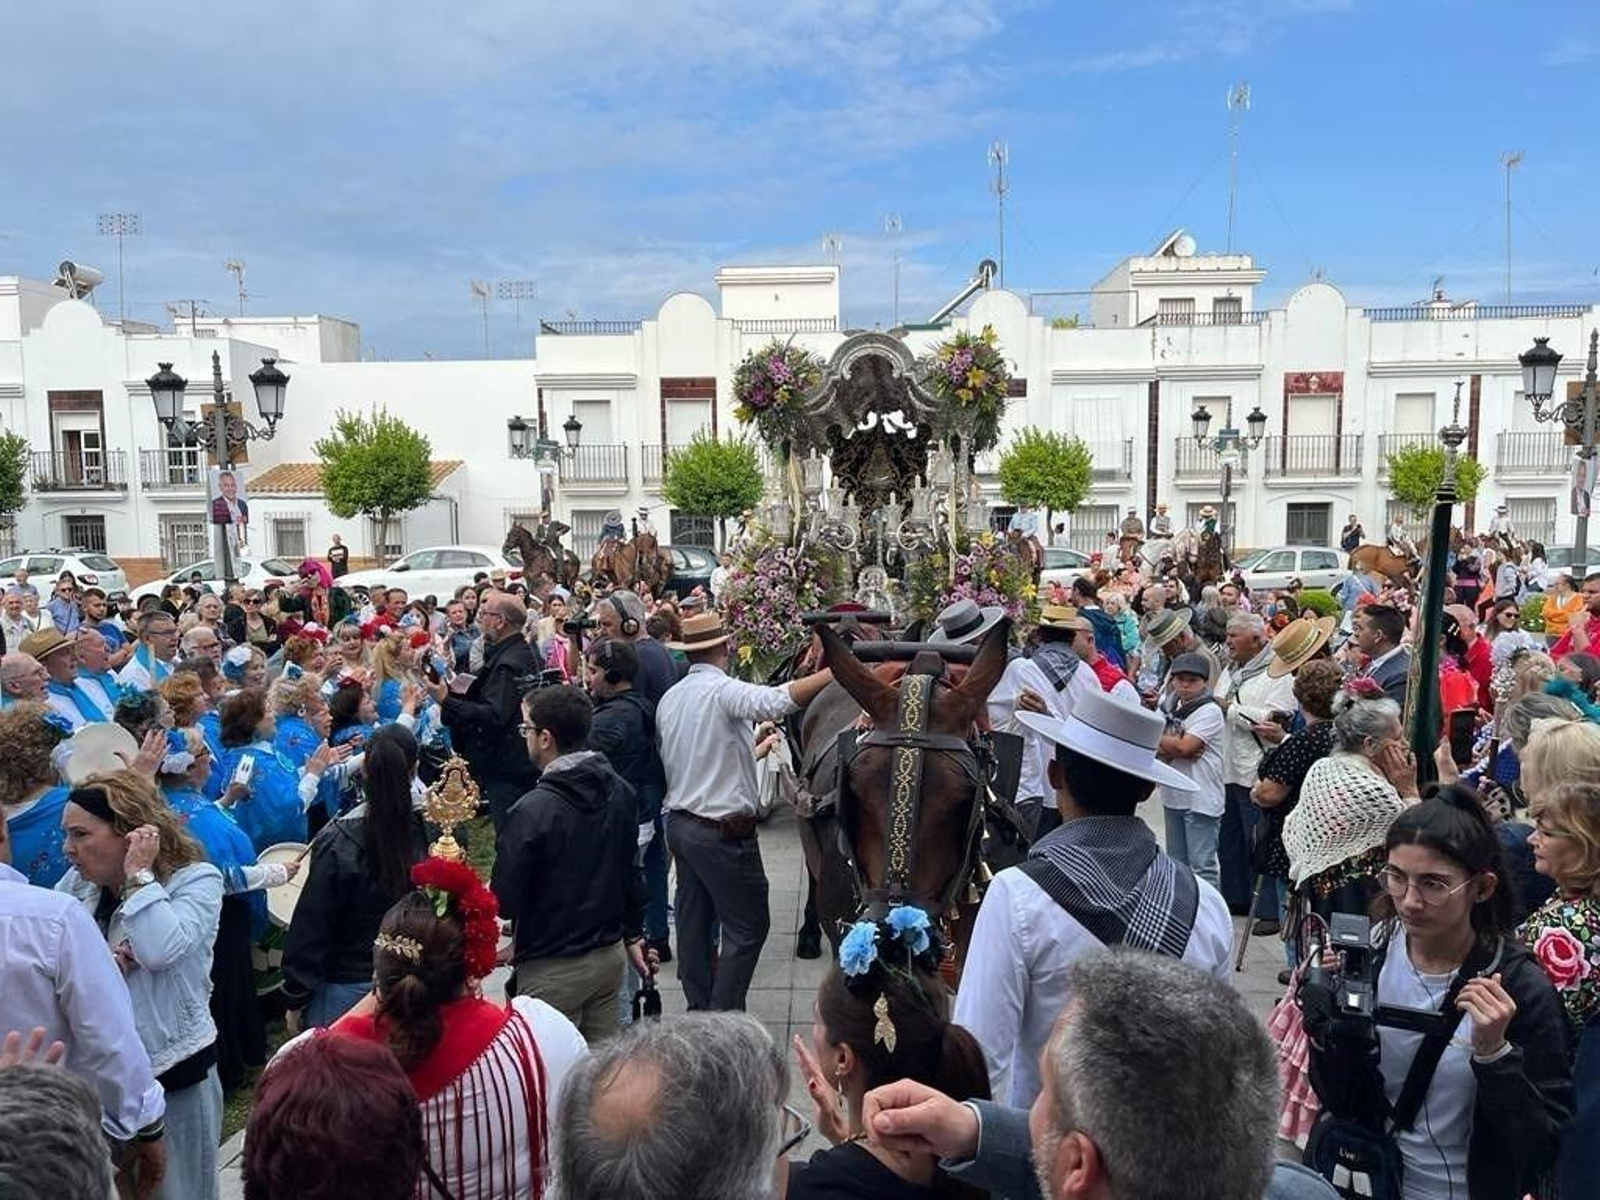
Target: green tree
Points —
{"points": [[1045, 468], [13, 474], [1415, 472], [374, 466], [712, 478]]}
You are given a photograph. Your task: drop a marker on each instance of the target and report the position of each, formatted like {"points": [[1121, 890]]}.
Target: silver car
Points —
{"points": [[88, 567], [1314, 566]]}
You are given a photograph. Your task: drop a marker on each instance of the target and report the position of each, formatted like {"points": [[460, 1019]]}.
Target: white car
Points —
{"points": [[436, 571], [1314, 566], [254, 573], [45, 566], [1062, 565]]}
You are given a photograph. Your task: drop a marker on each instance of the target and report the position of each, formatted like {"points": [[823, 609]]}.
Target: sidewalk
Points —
{"points": [[784, 986]]}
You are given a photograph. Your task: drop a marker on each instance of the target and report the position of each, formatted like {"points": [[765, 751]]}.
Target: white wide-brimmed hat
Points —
{"points": [[964, 622], [96, 748], [1123, 736]]}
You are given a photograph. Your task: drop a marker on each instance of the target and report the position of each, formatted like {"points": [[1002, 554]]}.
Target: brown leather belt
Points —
{"points": [[732, 829]]}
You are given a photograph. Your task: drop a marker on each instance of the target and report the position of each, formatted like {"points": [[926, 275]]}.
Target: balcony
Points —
{"points": [[79, 470], [587, 328], [790, 325], [1195, 461], [1299, 456], [1207, 318], [1472, 312], [602, 464], [1393, 443], [654, 460], [1112, 461], [174, 470], [1536, 452]]}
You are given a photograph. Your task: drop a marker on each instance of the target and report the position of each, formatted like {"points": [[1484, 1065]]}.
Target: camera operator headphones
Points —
{"points": [[628, 625], [605, 657]]}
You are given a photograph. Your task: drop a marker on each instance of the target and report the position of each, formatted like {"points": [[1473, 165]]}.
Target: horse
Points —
{"points": [[1371, 559], [1210, 563], [1029, 551], [913, 818], [629, 564], [539, 558]]}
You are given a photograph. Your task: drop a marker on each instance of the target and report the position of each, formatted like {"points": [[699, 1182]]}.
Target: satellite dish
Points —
{"points": [[76, 279], [1184, 247]]}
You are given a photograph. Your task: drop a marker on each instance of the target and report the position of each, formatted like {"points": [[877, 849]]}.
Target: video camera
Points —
{"points": [[579, 623], [1346, 1005]]}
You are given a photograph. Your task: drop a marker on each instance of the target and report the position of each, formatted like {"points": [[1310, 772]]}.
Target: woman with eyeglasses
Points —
{"points": [[63, 606], [1564, 938], [247, 625], [1490, 1117]]}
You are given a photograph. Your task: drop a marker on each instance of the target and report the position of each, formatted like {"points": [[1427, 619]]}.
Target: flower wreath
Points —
{"points": [[455, 889], [1364, 687], [901, 944]]}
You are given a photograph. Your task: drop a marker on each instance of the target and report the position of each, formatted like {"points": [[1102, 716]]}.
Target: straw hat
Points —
{"points": [[701, 632], [42, 643], [1167, 624], [1121, 735], [1294, 645], [1064, 616]]}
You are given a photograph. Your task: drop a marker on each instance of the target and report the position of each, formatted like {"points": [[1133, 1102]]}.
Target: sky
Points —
{"points": [[370, 160]]}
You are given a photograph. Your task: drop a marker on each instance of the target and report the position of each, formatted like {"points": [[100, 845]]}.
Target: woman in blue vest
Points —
{"points": [[271, 810], [31, 790]]}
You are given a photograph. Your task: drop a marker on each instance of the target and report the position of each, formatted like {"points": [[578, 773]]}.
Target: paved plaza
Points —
{"points": [[783, 989]]}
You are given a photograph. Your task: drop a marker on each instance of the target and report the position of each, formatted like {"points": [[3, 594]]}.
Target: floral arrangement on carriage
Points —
{"points": [[969, 375], [984, 569], [768, 387], [768, 588]]}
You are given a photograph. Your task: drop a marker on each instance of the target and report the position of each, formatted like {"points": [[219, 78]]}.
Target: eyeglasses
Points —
{"points": [[1431, 889], [796, 1129], [527, 729]]}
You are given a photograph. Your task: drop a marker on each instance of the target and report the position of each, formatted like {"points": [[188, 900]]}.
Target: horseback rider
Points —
{"points": [[1161, 523], [611, 529], [1024, 525], [1400, 542], [1132, 526], [641, 524], [1503, 531]]}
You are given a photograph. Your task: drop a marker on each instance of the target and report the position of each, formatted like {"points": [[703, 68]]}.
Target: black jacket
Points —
{"points": [[1524, 1098], [850, 1172], [338, 914], [624, 730], [484, 720], [566, 867]]}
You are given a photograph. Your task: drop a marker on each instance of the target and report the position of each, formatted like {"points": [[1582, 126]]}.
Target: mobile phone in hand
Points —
{"points": [[1463, 725], [243, 772]]}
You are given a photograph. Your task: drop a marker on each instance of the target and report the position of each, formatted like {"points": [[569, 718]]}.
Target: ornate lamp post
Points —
{"points": [[529, 441], [1233, 449], [1422, 694], [222, 433], [1580, 419]]}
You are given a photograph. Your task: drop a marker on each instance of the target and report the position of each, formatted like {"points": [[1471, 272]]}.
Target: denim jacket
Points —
{"points": [[169, 928]]}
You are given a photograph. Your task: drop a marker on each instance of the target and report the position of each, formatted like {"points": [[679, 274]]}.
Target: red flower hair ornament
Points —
{"points": [[456, 890], [1364, 688]]}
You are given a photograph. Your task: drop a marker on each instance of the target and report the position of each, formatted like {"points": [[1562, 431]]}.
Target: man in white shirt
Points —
{"points": [[153, 656], [1098, 880], [706, 730], [14, 622], [719, 576], [1193, 745], [60, 661], [1251, 696], [57, 975], [95, 679]]}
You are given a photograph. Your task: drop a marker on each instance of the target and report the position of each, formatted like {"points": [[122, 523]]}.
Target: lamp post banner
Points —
{"points": [[1583, 480]]}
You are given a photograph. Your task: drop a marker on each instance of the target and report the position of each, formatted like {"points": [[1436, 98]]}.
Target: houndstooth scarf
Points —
{"points": [[1107, 873]]}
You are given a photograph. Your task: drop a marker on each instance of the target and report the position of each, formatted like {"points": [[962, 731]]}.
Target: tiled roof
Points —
{"points": [[299, 479]]}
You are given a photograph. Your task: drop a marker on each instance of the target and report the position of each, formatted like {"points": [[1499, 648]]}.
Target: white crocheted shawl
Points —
{"points": [[1345, 809]]}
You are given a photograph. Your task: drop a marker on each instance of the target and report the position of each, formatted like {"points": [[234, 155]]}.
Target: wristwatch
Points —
{"points": [[138, 880]]}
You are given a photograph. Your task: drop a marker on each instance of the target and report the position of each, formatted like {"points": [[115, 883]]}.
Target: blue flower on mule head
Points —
{"points": [[910, 925], [859, 949]]}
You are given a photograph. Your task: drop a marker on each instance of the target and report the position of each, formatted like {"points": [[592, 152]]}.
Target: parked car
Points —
{"points": [[255, 573], [1062, 565], [1557, 558], [1274, 567], [89, 568], [691, 568], [437, 571]]}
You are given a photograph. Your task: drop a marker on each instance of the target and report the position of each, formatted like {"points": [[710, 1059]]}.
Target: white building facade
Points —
{"points": [[1162, 334]]}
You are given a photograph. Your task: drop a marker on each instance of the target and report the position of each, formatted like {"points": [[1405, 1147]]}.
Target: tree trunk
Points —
{"points": [[383, 538]]}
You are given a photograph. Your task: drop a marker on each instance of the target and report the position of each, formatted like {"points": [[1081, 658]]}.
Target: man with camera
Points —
{"points": [[485, 718]]}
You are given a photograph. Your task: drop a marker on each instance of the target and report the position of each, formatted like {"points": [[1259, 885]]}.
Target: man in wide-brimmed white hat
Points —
{"points": [[1098, 880]]}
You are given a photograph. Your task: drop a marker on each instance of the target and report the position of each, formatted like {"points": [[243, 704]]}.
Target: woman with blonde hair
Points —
{"points": [[186, 696], [146, 882], [33, 797], [1559, 752]]}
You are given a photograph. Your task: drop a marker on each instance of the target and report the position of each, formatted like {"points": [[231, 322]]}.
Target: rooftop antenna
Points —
{"points": [[180, 310], [831, 244], [480, 293], [1000, 160], [1510, 160], [235, 267], [892, 226], [119, 225], [1238, 104]]}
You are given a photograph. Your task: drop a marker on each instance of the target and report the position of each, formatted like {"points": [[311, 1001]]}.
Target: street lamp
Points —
{"points": [[1233, 449], [1578, 416], [530, 441], [222, 433]]}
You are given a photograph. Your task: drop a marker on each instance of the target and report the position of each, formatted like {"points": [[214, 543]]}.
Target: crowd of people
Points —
{"points": [[156, 760]]}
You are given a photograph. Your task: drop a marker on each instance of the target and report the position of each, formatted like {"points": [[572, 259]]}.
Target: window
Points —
{"points": [[586, 524], [86, 531], [1278, 560], [1320, 560], [1000, 518], [45, 566], [461, 560], [1533, 518], [1220, 408], [691, 530], [422, 560], [1178, 310], [1227, 310], [1309, 525], [289, 537], [1088, 526], [394, 545]]}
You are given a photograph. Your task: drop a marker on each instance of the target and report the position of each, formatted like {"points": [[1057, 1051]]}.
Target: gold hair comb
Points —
{"points": [[884, 1031], [400, 945]]}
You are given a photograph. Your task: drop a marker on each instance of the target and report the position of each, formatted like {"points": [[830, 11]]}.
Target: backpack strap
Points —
{"points": [[1418, 1079]]}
